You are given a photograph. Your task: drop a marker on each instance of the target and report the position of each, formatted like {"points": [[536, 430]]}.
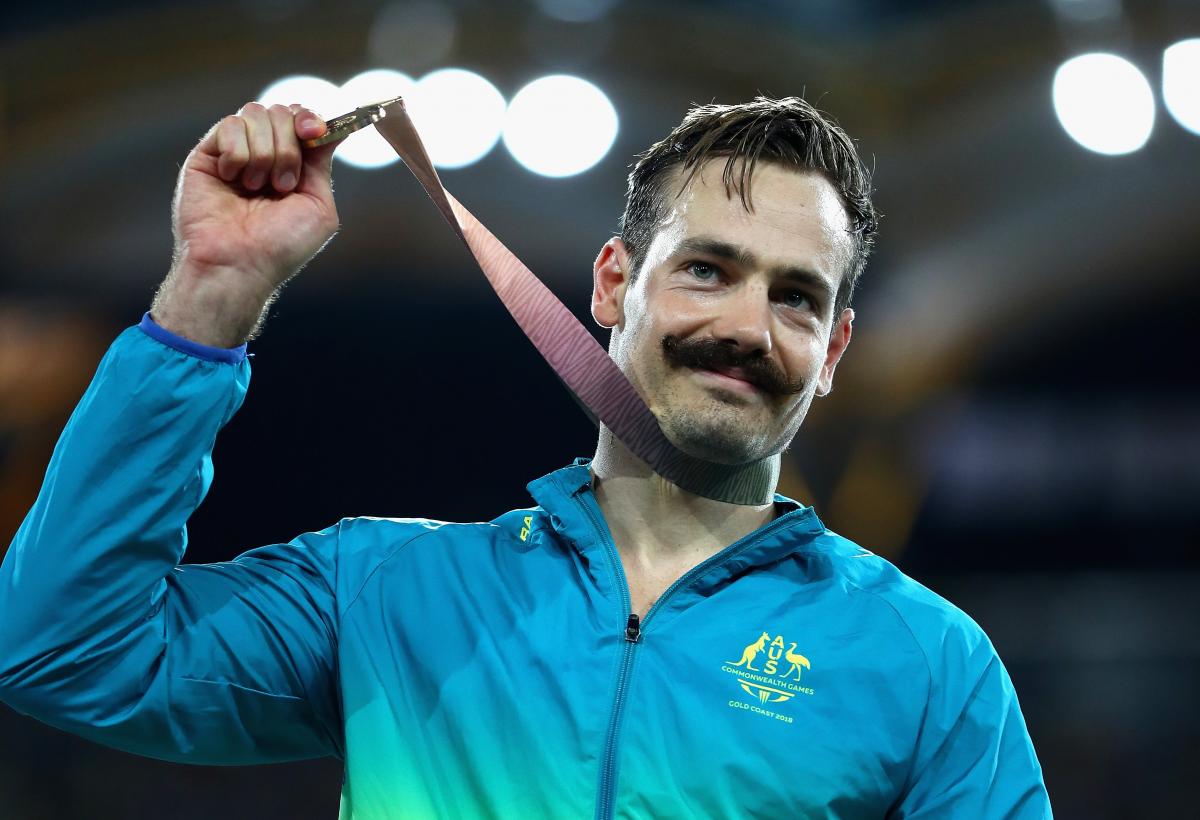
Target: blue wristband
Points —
{"points": [[226, 355]]}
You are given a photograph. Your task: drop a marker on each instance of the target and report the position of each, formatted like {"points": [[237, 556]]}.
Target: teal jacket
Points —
{"points": [[487, 669]]}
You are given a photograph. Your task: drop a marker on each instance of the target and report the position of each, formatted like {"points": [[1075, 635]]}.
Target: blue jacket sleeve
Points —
{"points": [[974, 757], [104, 634]]}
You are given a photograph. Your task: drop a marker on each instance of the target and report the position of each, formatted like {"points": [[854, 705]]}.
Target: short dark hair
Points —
{"points": [[788, 131]]}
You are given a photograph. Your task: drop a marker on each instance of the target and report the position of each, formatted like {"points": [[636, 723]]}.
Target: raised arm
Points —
{"points": [[102, 631]]}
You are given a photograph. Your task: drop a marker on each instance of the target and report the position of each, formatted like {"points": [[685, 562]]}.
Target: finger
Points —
{"points": [[286, 170], [262, 145], [227, 142], [309, 124], [316, 174]]}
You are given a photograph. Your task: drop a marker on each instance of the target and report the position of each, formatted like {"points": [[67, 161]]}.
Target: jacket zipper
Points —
{"points": [[633, 635]]}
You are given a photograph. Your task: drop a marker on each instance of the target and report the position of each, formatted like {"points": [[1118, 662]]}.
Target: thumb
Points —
{"points": [[317, 163], [316, 175]]}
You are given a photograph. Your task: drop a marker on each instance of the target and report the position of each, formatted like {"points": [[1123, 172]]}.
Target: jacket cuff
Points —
{"points": [[225, 355]]}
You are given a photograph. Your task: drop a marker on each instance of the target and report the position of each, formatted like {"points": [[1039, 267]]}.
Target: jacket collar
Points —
{"points": [[567, 497]]}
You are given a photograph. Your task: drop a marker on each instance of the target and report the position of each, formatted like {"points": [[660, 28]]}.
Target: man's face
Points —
{"points": [[727, 331]]}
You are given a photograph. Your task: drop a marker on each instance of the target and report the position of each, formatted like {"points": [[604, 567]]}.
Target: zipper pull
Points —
{"points": [[633, 628]]}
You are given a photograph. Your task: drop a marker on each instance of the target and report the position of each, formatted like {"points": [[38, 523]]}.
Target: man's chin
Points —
{"points": [[720, 446], [706, 428]]}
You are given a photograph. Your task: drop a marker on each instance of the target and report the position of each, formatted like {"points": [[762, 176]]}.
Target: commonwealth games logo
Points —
{"points": [[770, 669]]}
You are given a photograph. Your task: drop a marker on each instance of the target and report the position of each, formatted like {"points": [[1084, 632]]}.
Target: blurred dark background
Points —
{"points": [[1016, 424]]}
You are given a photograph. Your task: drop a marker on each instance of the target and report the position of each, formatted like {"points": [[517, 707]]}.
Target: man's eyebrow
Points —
{"points": [[744, 257]]}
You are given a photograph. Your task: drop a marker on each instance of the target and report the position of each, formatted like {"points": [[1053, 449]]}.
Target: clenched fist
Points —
{"points": [[251, 208]]}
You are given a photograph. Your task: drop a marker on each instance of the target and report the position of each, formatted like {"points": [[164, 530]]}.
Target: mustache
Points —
{"points": [[713, 354]]}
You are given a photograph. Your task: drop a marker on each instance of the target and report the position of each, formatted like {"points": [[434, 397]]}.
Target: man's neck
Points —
{"points": [[653, 522]]}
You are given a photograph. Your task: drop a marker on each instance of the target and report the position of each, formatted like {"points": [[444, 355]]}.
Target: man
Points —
{"points": [[624, 648]]}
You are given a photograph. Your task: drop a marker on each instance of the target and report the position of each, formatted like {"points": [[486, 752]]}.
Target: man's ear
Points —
{"points": [[610, 277], [839, 340]]}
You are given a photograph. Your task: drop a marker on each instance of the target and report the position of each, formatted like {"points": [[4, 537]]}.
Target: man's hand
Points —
{"points": [[251, 208]]}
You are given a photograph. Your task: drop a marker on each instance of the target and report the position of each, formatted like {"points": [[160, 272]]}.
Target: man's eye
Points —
{"points": [[797, 299], [702, 271]]}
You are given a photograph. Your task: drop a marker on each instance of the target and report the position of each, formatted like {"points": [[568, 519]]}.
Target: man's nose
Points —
{"points": [[745, 320]]}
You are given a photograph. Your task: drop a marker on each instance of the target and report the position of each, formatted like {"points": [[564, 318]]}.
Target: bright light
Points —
{"points": [[366, 148], [558, 126], [318, 95], [458, 114], [1104, 102], [1181, 83]]}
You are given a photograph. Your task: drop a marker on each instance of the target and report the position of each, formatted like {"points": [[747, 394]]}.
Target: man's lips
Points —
{"points": [[731, 372], [734, 377]]}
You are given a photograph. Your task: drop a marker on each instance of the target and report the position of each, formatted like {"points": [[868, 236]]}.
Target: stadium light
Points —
{"points": [[1104, 103], [458, 114], [1181, 83], [556, 126], [559, 125], [318, 95]]}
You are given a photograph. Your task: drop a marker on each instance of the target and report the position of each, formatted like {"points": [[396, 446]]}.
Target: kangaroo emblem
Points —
{"points": [[796, 660], [753, 649]]}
